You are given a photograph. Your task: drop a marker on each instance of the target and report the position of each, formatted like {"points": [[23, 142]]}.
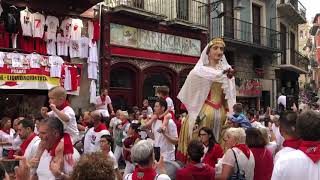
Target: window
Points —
{"points": [[230, 57], [257, 62], [120, 77]]}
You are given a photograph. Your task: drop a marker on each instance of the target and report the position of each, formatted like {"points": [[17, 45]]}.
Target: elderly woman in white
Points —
{"points": [[143, 155], [237, 151]]}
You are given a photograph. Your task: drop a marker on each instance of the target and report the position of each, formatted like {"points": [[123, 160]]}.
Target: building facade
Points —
{"points": [[253, 43], [292, 64], [150, 43], [315, 33]]}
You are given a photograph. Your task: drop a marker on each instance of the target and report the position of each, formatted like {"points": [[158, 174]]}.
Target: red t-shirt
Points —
{"points": [[212, 156], [192, 172], [263, 163]]}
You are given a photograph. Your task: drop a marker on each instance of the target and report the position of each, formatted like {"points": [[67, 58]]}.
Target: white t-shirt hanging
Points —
{"points": [[26, 22], [93, 52], [2, 56], [52, 24], [84, 47], [74, 49], [51, 47], [16, 59], [62, 45], [90, 29], [38, 22], [66, 27], [34, 60], [67, 79], [92, 70], [76, 29], [56, 63], [1, 10]]}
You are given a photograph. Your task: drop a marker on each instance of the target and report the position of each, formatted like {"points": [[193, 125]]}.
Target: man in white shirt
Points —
{"points": [[30, 141], [287, 130], [164, 140], [303, 163], [282, 102], [102, 103], [93, 135]]}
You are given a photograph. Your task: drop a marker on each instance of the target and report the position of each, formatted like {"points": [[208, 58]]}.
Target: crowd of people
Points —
{"points": [[214, 139]]}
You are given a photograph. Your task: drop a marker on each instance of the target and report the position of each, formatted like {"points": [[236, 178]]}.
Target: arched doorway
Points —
{"points": [[123, 83], [156, 76]]}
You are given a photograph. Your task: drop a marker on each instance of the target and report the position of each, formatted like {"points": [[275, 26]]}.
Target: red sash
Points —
{"points": [[26, 143], [244, 148], [144, 173], [293, 143], [63, 105], [311, 149], [67, 150], [100, 127]]}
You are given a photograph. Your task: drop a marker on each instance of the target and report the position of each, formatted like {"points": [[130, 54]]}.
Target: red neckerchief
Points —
{"points": [[103, 98], [124, 122], [143, 173], [6, 130], [85, 124], [253, 120], [67, 150], [63, 105], [244, 148], [26, 143], [293, 143], [311, 149], [100, 127]]}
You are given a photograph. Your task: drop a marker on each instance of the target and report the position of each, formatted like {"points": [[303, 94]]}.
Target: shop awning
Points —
{"points": [[72, 7]]}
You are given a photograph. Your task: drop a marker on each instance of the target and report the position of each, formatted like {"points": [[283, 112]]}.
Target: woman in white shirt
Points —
{"points": [[6, 136], [235, 139]]}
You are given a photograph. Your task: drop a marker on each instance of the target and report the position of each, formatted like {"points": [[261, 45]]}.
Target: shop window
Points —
{"points": [[151, 83], [121, 78]]}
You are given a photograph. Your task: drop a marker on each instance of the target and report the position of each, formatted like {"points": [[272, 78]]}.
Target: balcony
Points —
{"points": [[295, 62], [242, 33], [187, 13], [145, 9], [293, 10]]}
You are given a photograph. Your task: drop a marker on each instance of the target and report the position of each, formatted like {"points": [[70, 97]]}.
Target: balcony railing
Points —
{"points": [[296, 59], [235, 29], [297, 5], [194, 12]]}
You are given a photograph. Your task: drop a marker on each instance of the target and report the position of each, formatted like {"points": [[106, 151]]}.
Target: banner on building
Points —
{"points": [[248, 87], [38, 78]]}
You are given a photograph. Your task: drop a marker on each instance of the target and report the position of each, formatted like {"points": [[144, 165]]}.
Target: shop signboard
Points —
{"points": [[248, 87], [151, 40], [34, 78]]}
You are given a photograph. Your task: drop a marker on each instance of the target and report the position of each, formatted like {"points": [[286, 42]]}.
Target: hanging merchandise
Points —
{"points": [[2, 56], [26, 43], [1, 10], [93, 52], [55, 63], [67, 78], [4, 36], [92, 70], [26, 22], [93, 90], [66, 28], [17, 59], [12, 20], [90, 29], [76, 26], [74, 49], [14, 40], [52, 24], [51, 47], [34, 60], [38, 25], [62, 45], [96, 30], [41, 46], [70, 78], [84, 47]]}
